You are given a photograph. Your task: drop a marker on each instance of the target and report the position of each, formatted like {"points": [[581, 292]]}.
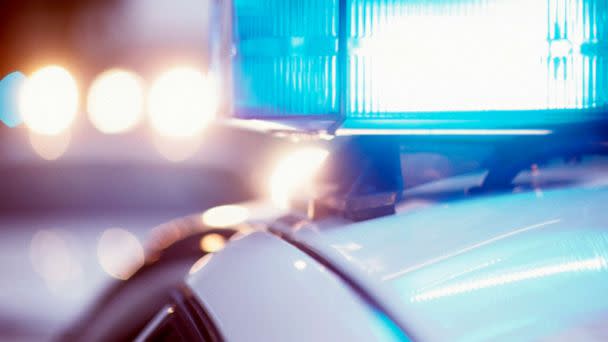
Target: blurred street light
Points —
{"points": [[182, 102], [50, 147], [48, 102], [115, 101]]}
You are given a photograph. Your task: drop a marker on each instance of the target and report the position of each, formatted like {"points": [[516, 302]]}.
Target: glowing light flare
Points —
{"points": [[115, 101], [53, 259], [225, 216], [48, 101], [592, 264], [50, 147], [119, 253], [560, 48], [294, 173], [182, 102], [211, 243], [439, 57]]}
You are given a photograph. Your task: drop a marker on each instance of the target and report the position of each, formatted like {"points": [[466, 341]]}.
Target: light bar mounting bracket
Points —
{"points": [[361, 180]]}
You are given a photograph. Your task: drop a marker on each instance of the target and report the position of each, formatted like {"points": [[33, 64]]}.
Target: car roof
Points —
{"points": [[532, 264], [260, 287]]}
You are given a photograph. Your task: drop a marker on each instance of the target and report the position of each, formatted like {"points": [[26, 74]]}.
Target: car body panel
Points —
{"points": [[260, 286], [526, 265]]}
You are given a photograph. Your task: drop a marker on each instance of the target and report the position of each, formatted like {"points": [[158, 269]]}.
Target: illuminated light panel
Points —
{"points": [[437, 56], [50, 147], [294, 173], [48, 101], [212, 243], [225, 216], [119, 252], [398, 60], [115, 101], [285, 61], [592, 264], [363, 131], [182, 102]]}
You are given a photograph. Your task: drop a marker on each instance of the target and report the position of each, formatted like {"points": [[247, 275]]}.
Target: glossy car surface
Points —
{"points": [[526, 266]]}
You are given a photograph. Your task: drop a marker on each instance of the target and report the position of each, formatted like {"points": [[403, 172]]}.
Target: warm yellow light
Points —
{"points": [[212, 243], [295, 172], [225, 216], [50, 147], [120, 253], [182, 102], [48, 101], [115, 101]]}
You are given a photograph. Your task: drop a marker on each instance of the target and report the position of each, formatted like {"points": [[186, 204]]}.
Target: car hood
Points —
{"points": [[532, 264]]}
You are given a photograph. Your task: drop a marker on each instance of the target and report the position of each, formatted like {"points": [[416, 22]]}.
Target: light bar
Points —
{"points": [[493, 64], [415, 131]]}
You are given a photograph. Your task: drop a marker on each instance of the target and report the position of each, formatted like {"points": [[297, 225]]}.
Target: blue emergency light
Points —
{"points": [[420, 66]]}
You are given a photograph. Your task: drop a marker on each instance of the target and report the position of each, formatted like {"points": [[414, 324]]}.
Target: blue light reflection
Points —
{"points": [[539, 284], [385, 329]]}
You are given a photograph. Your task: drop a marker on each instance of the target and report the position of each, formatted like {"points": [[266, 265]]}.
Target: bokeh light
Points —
{"points": [[295, 173], [54, 261], [9, 93], [182, 102], [115, 101], [50, 147], [211, 243], [119, 252], [48, 101], [177, 149], [225, 216]]}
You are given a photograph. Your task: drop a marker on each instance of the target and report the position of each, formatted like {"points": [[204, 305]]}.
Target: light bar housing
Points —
{"points": [[415, 66]]}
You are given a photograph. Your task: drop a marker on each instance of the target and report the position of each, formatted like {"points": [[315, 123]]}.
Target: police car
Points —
{"points": [[461, 189]]}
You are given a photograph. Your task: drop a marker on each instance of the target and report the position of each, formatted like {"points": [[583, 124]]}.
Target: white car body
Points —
{"points": [[525, 266]]}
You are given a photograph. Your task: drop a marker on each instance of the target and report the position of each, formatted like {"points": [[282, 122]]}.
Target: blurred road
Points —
{"points": [[53, 215], [44, 287], [66, 230]]}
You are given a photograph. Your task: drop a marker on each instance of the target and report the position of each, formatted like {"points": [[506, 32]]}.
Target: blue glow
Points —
{"points": [[414, 59], [385, 329], [9, 87], [285, 62], [508, 132]]}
